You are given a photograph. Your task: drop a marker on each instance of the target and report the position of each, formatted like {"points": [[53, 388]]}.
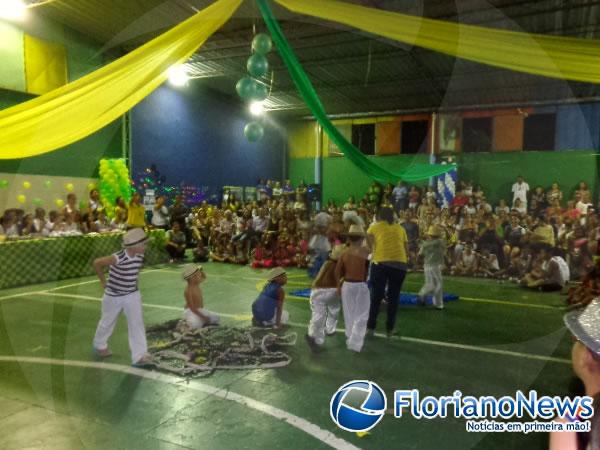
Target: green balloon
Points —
{"points": [[260, 93], [37, 201], [254, 131], [246, 87], [3, 184], [262, 43], [257, 65]]}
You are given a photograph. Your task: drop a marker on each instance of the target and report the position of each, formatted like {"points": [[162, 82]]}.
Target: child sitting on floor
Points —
{"points": [[262, 256], [240, 254], [200, 252], [267, 309], [194, 314], [488, 264], [218, 253]]}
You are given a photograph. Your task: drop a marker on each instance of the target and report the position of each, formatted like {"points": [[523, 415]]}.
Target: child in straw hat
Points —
{"points": [[351, 271], [194, 314], [324, 300], [267, 309], [433, 250], [121, 294]]}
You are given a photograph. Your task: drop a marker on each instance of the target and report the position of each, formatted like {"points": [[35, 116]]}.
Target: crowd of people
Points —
{"points": [[539, 237], [535, 240]]}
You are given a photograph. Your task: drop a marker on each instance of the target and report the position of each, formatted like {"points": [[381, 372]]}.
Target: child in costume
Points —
{"points": [[194, 314], [433, 251], [351, 271], [324, 300], [121, 294], [267, 309]]}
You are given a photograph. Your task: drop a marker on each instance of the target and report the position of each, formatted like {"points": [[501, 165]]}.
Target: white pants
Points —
{"points": [[285, 317], [194, 321], [325, 306], [131, 305], [356, 302], [433, 285]]}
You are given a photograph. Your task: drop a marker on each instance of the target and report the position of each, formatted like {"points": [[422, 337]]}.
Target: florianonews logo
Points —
{"points": [[358, 405]]}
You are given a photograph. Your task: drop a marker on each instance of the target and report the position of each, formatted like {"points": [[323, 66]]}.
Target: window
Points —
{"points": [[414, 136], [539, 131], [477, 135], [363, 138]]}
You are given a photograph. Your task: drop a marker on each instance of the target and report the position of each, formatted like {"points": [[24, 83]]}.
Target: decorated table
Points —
{"points": [[31, 261]]}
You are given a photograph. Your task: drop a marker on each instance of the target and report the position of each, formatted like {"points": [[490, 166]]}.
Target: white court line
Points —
{"points": [[473, 348], [299, 423], [25, 294]]}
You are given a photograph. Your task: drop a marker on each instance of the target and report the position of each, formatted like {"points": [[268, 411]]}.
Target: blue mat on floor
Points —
{"points": [[405, 298]]}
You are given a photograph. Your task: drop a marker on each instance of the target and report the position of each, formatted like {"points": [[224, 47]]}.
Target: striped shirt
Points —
{"points": [[123, 276]]}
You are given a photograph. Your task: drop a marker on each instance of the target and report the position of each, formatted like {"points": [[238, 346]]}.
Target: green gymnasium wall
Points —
{"points": [[81, 158], [496, 172], [341, 178]]}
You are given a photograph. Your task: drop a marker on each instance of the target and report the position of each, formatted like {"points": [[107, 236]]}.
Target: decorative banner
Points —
{"points": [[446, 188]]}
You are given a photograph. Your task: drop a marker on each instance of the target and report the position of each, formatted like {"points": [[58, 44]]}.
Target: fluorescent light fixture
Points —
{"points": [[12, 9], [178, 75], [257, 108]]}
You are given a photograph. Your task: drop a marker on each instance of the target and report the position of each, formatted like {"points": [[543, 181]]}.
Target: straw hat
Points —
{"points": [[585, 325], [133, 237], [434, 231], [356, 230], [275, 273], [337, 252], [189, 271]]}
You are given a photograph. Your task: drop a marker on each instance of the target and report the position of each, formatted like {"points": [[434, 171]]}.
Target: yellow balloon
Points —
{"points": [[70, 187], [91, 186], [59, 202], [26, 184], [21, 199]]}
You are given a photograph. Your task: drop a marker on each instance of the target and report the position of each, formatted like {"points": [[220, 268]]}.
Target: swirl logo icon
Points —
{"points": [[358, 405]]}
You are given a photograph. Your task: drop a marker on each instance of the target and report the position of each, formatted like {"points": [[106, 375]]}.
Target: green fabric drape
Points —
{"points": [[415, 172], [561, 57]]}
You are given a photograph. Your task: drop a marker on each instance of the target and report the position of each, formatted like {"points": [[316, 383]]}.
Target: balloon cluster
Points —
{"points": [[249, 87], [114, 182]]}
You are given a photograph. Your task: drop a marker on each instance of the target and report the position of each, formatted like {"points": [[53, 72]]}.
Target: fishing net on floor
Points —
{"points": [[177, 349]]}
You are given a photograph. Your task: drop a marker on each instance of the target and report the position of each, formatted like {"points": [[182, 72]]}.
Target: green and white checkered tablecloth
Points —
{"points": [[26, 262]]}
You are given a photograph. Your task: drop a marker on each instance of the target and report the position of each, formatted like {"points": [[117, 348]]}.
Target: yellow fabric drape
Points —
{"points": [[551, 56], [45, 65], [78, 109]]}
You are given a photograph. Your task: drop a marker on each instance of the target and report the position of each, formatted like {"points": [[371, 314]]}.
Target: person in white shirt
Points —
{"points": [[160, 214], [520, 190], [39, 221]]}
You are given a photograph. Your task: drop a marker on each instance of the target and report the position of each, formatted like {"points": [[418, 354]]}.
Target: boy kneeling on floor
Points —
{"points": [[194, 314], [267, 309]]}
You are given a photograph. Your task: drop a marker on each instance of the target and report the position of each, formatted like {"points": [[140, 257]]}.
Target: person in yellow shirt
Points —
{"points": [[389, 245], [136, 214]]}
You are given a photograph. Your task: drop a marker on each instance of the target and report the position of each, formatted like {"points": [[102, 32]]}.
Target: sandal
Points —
{"points": [[102, 353]]}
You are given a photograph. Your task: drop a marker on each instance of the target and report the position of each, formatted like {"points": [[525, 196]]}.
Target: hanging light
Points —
{"points": [[257, 108], [12, 9], [178, 75]]}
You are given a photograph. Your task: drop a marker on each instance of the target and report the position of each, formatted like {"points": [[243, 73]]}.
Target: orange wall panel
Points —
{"points": [[508, 133], [387, 138]]}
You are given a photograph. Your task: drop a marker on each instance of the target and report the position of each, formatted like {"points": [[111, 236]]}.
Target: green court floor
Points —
{"points": [[54, 395]]}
